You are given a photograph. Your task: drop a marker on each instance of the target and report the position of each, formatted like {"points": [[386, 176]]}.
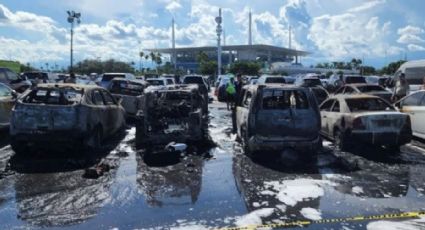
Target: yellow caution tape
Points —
{"points": [[403, 215]]}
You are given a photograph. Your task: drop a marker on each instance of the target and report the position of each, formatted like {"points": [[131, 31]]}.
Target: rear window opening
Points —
{"points": [[109, 77], [354, 80], [155, 82], [279, 80], [312, 82], [55, 96], [126, 88], [284, 99], [368, 104], [371, 88], [193, 80]]}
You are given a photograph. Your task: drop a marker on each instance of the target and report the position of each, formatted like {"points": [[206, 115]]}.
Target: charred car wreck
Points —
{"points": [[173, 114], [62, 114]]}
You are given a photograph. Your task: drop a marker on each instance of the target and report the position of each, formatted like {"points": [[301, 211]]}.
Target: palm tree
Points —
{"points": [[153, 57]]}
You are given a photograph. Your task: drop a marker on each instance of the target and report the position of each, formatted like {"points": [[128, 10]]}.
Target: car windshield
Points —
{"points": [[371, 88], [35, 75], [53, 96], [126, 88], [109, 77], [4, 91], [353, 80], [312, 82], [278, 99], [193, 80], [155, 82], [279, 80], [368, 104]]}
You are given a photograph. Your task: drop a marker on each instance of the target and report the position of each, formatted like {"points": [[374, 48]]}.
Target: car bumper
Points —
{"points": [[381, 138], [50, 137], [257, 143]]}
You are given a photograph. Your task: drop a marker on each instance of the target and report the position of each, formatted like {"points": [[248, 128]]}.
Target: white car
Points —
{"points": [[270, 79], [414, 105]]}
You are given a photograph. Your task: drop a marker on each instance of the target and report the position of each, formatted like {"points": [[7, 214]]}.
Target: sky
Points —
{"points": [[377, 31]]}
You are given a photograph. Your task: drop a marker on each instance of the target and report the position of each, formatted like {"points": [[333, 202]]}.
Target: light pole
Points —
{"points": [[72, 17], [219, 29]]}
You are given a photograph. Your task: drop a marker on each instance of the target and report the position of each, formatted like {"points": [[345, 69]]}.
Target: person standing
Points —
{"points": [[231, 93], [401, 88], [237, 99]]}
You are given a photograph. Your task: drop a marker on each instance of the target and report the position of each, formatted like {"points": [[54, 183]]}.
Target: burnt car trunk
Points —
{"points": [[171, 115]]}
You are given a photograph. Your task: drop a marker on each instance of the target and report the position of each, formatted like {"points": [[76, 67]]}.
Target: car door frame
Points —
{"points": [[324, 118], [413, 111]]}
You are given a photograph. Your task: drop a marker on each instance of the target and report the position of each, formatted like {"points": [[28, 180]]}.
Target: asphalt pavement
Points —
{"points": [[216, 187]]}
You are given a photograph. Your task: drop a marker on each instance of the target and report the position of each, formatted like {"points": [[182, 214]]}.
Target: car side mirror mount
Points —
{"points": [[14, 94], [119, 101]]}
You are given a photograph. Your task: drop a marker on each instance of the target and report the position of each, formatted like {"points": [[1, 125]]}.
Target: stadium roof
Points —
{"points": [[259, 48]]}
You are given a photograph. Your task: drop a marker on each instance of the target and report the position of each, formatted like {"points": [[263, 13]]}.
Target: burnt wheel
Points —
{"points": [[340, 141]]}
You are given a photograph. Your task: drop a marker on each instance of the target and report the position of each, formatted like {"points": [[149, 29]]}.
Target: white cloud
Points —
{"points": [[173, 6], [410, 30], [410, 38], [413, 47], [366, 6], [346, 35]]}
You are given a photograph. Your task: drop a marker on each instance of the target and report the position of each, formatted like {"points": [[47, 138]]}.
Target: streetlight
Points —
{"points": [[73, 16], [219, 29]]}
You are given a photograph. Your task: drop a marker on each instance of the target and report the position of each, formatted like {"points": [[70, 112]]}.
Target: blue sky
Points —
{"points": [[379, 31]]}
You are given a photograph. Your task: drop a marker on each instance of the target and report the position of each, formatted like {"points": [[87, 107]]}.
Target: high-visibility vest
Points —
{"points": [[230, 89]]}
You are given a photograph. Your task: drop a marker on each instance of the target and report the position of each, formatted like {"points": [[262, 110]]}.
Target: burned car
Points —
{"points": [[130, 92], [7, 100], [64, 114], [173, 114], [374, 90], [364, 118], [274, 117]]}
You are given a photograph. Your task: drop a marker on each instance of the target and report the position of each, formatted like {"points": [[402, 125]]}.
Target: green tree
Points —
{"points": [[246, 68], [202, 57], [392, 67], [368, 70], [208, 67]]}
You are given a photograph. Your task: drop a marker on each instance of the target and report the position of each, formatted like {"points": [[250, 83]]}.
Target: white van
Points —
{"points": [[415, 73]]}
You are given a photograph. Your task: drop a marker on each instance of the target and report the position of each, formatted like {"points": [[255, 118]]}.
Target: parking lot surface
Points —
{"points": [[213, 187]]}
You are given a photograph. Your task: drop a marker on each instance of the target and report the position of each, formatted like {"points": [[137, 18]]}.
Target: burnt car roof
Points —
{"points": [[273, 86], [174, 88], [129, 80], [68, 85], [352, 96]]}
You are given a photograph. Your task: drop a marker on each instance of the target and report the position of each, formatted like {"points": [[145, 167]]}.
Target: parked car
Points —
{"points": [[7, 100], [11, 79], [376, 80], [37, 77], [335, 81], [220, 90], [270, 79], [308, 81], [61, 114], [174, 114], [202, 86], [414, 72], [107, 78], [198, 80], [414, 105], [290, 79], [363, 118], [273, 117], [130, 92], [156, 81], [375, 90]]}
